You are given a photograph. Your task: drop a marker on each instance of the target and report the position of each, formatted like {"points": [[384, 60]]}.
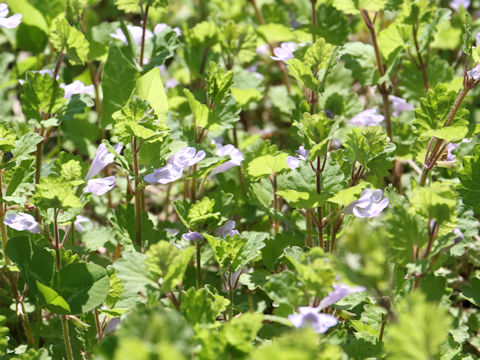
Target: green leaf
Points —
{"points": [[118, 82], [302, 344], [138, 119], [434, 109], [66, 38], [219, 82], [347, 196], [267, 165], [472, 292], [56, 193], [302, 73], [25, 146], [132, 271], [353, 7], [150, 87], [332, 25], [405, 231], [4, 331], [241, 332], [201, 307], [437, 202], [200, 111], [42, 95], [360, 58], [420, 330], [469, 175], [315, 271], [128, 6], [52, 300], [165, 261], [231, 253]]}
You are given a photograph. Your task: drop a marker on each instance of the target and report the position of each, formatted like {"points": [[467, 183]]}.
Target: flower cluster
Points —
{"points": [[102, 158]]}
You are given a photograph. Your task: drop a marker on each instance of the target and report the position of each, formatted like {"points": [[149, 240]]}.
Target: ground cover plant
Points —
{"points": [[244, 179]]}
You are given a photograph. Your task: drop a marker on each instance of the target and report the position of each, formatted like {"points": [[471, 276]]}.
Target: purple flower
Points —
{"points": [[100, 186], [192, 236], [399, 105], [164, 175], [174, 232], [171, 83], [369, 117], [311, 317], [294, 162], [263, 49], [370, 204], [453, 146], [11, 22], [284, 52], [236, 158], [227, 229], [186, 156], [78, 222], [474, 73], [77, 87], [160, 27], [135, 33], [22, 222], [302, 153], [455, 4], [338, 293], [102, 158], [459, 234]]}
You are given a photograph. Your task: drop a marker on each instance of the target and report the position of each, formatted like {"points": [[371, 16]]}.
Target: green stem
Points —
{"points": [[308, 219], [144, 29], [319, 208], [199, 266], [97, 324], [314, 19], [66, 338], [138, 198]]}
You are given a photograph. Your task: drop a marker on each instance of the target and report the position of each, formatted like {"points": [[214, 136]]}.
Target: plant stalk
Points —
{"points": [[138, 197]]}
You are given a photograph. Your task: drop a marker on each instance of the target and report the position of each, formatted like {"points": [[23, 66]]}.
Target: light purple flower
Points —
{"points": [[160, 27], [171, 83], [112, 326], [10, 22], [459, 234], [192, 236], [474, 73], [78, 222], [227, 229], [102, 158], [76, 87], [186, 156], [236, 158], [22, 222], [284, 52], [370, 204], [164, 175], [293, 162], [455, 4], [453, 146], [263, 49], [338, 293], [399, 105], [135, 33], [100, 186], [311, 317], [302, 153], [369, 117], [172, 231]]}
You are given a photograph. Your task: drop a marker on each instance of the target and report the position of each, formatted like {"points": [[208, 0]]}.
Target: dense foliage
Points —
{"points": [[244, 179]]}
